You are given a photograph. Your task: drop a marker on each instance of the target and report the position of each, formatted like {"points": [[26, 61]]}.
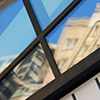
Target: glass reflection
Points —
{"points": [[50, 9], [76, 36], [29, 75], [16, 31]]}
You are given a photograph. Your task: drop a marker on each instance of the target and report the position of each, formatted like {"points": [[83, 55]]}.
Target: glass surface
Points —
{"points": [[77, 35], [16, 31], [47, 10], [31, 74]]}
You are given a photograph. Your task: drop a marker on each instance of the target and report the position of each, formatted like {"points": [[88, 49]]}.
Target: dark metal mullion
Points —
{"points": [[32, 16], [50, 58]]}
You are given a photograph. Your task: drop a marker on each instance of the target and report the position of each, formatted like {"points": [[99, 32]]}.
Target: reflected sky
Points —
{"points": [[53, 7], [50, 9], [16, 31], [82, 10]]}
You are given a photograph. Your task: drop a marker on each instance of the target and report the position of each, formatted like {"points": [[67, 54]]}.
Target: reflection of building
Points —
{"points": [[79, 38], [5, 61], [19, 83], [27, 77]]}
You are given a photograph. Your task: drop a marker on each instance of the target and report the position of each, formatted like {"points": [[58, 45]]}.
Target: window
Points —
{"points": [[83, 50], [15, 29], [73, 43], [22, 70], [67, 44], [93, 32], [61, 63], [37, 59], [28, 70], [70, 44], [35, 68]]}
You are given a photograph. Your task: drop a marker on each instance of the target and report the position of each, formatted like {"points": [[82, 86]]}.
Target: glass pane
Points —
{"points": [[47, 10], [31, 74], [16, 31], [77, 35]]}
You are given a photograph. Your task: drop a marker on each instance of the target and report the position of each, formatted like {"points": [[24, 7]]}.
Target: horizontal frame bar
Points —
{"points": [[71, 79], [32, 17]]}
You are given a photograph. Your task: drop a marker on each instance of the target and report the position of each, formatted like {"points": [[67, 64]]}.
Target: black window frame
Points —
{"points": [[69, 80]]}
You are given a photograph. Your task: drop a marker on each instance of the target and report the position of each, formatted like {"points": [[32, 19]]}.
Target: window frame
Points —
{"points": [[75, 75]]}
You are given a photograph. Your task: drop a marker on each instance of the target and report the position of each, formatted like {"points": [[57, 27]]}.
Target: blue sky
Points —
{"points": [[86, 8], [16, 32]]}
